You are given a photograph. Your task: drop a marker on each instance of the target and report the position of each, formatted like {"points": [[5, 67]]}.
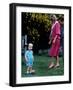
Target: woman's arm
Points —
{"points": [[55, 39], [50, 40]]}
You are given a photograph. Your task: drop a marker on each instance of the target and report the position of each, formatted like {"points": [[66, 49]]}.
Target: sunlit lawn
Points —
{"points": [[41, 67]]}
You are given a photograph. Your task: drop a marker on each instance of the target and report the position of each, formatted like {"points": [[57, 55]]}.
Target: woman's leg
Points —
{"points": [[51, 63], [57, 61]]}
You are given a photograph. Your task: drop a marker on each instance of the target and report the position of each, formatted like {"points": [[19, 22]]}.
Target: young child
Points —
{"points": [[29, 58]]}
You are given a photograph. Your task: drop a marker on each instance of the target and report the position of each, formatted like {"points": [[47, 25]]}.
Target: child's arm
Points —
{"points": [[26, 58]]}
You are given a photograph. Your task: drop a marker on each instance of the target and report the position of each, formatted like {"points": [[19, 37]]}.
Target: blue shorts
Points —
{"points": [[29, 63]]}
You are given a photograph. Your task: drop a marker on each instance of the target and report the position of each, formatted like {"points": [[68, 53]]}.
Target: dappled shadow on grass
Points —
{"points": [[41, 67]]}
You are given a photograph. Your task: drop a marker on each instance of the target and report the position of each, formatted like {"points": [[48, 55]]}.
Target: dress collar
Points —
{"points": [[54, 24]]}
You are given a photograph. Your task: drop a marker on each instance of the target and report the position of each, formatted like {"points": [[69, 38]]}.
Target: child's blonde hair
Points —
{"points": [[30, 45]]}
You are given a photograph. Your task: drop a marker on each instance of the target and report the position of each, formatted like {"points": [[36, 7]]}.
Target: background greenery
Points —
{"points": [[41, 67], [37, 27]]}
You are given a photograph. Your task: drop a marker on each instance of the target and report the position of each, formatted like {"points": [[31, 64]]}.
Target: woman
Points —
{"points": [[55, 40]]}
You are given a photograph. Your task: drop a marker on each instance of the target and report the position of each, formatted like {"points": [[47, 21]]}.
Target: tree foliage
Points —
{"points": [[36, 25]]}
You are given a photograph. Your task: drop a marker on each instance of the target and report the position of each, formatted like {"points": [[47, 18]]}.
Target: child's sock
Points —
{"points": [[32, 71], [28, 72]]}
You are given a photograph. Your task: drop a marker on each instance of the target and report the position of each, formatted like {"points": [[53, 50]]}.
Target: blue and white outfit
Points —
{"points": [[30, 58]]}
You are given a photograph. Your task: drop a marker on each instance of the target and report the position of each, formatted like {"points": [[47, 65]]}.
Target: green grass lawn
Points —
{"points": [[41, 67]]}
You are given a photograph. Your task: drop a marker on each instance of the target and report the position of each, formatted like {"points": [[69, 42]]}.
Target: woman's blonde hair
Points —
{"points": [[54, 17]]}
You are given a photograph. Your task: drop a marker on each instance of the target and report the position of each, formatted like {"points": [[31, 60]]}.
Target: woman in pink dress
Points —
{"points": [[55, 40]]}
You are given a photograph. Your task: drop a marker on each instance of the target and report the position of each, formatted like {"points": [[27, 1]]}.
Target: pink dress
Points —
{"points": [[54, 51]]}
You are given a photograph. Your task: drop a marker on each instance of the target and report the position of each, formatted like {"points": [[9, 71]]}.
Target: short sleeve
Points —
{"points": [[57, 27]]}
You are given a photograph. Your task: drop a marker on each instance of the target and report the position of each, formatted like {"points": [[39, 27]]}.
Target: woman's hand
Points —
{"points": [[54, 40], [49, 42]]}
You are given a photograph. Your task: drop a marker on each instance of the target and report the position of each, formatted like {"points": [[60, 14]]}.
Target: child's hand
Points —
{"points": [[26, 59]]}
